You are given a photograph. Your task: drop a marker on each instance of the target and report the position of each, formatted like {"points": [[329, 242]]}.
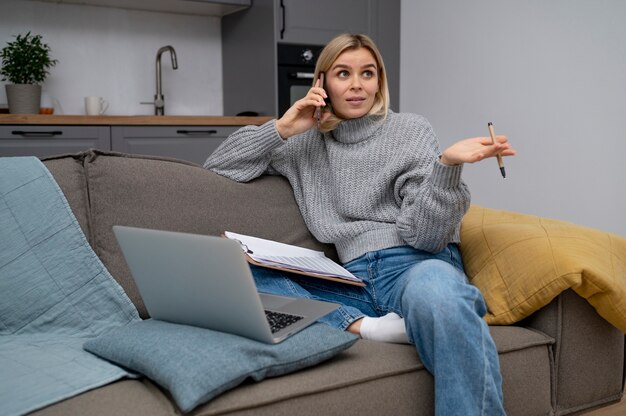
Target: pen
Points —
{"points": [[498, 156], [318, 110]]}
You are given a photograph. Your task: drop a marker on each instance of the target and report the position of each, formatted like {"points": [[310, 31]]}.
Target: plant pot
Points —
{"points": [[23, 98]]}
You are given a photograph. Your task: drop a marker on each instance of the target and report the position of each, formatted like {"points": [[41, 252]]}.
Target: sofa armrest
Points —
{"points": [[588, 353]]}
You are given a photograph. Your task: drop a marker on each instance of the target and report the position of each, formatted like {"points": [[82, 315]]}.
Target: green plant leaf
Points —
{"points": [[26, 60]]}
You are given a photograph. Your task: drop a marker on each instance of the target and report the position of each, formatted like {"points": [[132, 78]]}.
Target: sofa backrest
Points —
{"points": [[106, 189]]}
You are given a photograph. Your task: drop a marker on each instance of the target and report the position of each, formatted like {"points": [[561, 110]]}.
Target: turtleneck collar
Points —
{"points": [[357, 130]]}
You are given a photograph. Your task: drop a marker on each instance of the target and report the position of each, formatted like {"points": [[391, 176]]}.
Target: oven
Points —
{"points": [[296, 68]]}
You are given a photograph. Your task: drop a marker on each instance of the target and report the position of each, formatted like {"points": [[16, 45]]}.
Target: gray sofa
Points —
{"points": [[564, 359]]}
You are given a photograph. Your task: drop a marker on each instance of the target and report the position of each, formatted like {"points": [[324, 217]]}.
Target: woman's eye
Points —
{"points": [[368, 74], [343, 74]]}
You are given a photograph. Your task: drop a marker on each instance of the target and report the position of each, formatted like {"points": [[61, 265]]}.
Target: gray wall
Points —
{"points": [[551, 75]]}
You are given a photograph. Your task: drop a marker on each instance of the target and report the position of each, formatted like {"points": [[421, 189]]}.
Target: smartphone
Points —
{"points": [[318, 111]]}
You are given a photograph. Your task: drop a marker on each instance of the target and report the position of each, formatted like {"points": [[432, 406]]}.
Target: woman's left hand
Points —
{"points": [[476, 149]]}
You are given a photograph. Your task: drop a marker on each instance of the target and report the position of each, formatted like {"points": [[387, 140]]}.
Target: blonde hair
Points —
{"points": [[329, 55]]}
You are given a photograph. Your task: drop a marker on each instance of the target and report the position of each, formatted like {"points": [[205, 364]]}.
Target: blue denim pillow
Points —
{"points": [[197, 364]]}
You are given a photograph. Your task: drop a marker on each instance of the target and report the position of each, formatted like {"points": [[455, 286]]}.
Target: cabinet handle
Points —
{"points": [[196, 132], [301, 75], [37, 133], [282, 29]]}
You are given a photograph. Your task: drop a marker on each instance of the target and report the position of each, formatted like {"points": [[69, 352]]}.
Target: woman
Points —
{"points": [[374, 183]]}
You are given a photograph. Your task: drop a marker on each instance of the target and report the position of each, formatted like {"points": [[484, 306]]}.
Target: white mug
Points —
{"points": [[95, 106]]}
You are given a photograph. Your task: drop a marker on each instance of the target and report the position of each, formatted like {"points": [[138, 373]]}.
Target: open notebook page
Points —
{"points": [[273, 253]]}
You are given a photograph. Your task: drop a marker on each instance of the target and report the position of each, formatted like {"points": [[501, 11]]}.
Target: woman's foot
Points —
{"points": [[388, 328]]}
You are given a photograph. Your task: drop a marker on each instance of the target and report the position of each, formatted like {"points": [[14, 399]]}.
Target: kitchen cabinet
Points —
{"points": [[316, 22], [191, 138], [40, 141], [250, 39], [191, 143], [193, 7]]}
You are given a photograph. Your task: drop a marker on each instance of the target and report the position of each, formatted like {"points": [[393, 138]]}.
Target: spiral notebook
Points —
{"points": [[293, 259]]}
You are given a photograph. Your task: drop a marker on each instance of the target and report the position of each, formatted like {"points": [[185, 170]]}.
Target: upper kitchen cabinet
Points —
{"points": [[254, 77], [195, 7], [316, 22]]}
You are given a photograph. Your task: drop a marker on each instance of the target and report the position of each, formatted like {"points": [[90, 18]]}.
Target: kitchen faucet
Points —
{"points": [[159, 100]]}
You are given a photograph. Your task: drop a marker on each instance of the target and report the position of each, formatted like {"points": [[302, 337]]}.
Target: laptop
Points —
{"points": [[205, 281]]}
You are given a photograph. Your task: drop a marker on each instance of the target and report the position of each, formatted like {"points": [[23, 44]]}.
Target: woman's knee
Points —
{"points": [[436, 287]]}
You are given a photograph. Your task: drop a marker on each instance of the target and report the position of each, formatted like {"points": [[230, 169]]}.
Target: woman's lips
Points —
{"points": [[355, 100]]}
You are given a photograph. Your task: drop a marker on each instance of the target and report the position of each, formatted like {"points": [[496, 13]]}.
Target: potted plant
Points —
{"points": [[25, 64]]}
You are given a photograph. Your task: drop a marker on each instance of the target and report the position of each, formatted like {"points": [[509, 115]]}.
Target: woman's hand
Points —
{"points": [[301, 115], [476, 149]]}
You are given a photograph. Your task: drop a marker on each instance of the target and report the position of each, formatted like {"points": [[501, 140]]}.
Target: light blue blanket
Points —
{"points": [[54, 294]]}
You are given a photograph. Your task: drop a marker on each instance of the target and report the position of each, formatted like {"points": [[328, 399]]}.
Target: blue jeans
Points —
{"points": [[443, 317]]}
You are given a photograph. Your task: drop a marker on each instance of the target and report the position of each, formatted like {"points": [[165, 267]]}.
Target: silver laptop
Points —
{"points": [[205, 281]]}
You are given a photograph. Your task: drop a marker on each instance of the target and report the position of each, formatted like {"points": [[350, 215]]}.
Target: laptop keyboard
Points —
{"points": [[279, 320]]}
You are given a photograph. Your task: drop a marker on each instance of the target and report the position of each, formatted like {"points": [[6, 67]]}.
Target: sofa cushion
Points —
{"points": [[521, 262], [382, 376], [387, 376], [197, 364], [125, 397], [166, 194]]}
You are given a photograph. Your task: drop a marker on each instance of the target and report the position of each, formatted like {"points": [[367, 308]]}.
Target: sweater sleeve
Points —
{"points": [[246, 153], [434, 200]]}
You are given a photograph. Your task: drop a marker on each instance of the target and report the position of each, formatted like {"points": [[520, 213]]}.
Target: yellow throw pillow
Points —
{"points": [[521, 262]]}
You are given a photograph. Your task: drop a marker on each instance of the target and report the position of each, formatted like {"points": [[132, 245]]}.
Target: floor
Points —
{"points": [[618, 409]]}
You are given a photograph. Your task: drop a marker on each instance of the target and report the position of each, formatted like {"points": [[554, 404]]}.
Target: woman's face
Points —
{"points": [[352, 83]]}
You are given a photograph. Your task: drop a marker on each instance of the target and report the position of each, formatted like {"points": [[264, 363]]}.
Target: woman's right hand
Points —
{"points": [[300, 117]]}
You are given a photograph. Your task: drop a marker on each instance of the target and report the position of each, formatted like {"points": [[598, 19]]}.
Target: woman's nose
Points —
{"points": [[355, 82]]}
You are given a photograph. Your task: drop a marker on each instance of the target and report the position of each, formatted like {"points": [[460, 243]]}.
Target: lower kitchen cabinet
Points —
{"points": [[40, 141], [191, 143]]}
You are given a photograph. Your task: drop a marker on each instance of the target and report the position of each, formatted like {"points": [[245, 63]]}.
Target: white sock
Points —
{"points": [[388, 328]]}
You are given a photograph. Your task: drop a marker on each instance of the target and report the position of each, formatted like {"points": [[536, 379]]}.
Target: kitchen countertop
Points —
{"points": [[38, 119]]}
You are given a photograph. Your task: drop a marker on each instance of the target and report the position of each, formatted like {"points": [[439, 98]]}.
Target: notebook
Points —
{"points": [[292, 259], [205, 281]]}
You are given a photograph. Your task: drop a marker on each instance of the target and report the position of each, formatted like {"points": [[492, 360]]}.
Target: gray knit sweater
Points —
{"points": [[371, 183]]}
